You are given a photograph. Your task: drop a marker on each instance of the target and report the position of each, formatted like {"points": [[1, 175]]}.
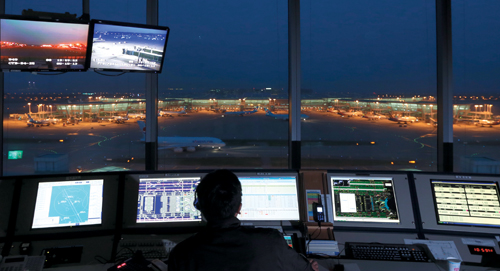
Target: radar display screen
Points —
{"points": [[466, 203], [370, 199], [68, 203], [167, 200]]}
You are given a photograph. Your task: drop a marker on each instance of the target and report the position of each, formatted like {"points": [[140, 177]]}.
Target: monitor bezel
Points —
{"points": [[273, 174], [61, 21], [427, 208], [401, 191], [132, 192], [7, 187], [29, 192], [90, 44]]}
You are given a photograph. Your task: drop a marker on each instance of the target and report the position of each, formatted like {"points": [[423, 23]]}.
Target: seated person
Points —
{"points": [[226, 245]]}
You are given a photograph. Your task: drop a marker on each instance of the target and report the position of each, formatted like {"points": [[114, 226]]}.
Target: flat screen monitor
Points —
{"points": [[459, 202], [68, 203], [269, 197], [115, 46], [38, 45], [167, 199], [370, 200]]}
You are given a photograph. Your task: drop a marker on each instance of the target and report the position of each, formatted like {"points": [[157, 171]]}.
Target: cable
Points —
{"points": [[110, 74]]}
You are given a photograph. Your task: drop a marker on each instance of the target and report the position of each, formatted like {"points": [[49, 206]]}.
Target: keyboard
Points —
{"points": [[388, 252], [151, 249], [22, 263]]}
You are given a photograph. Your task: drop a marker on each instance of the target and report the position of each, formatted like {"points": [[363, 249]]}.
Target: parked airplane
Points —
{"points": [[350, 114], [284, 116], [372, 116], [172, 113], [179, 144], [137, 116], [404, 119], [239, 113], [119, 119], [31, 122]]}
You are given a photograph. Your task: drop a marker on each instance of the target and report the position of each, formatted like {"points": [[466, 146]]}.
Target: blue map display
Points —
{"points": [[70, 203]]}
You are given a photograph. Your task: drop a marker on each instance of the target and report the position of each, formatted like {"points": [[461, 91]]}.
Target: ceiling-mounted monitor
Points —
{"points": [[125, 47], [42, 45]]}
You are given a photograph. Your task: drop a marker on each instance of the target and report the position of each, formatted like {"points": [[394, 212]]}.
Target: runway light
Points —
{"points": [[373, 142], [357, 144], [412, 162], [392, 163], [132, 158], [61, 140], [128, 161]]}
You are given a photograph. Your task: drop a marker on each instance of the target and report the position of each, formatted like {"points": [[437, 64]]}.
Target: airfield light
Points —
{"points": [[412, 162], [357, 144], [132, 158], [373, 142], [128, 161], [61, 140], [392, 163]]}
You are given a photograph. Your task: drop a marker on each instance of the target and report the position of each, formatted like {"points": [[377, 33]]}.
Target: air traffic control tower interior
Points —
{"points": [[394, 169]]}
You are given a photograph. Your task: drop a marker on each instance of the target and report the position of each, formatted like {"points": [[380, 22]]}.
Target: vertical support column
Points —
{"points": [[86, 9], [152, 99], [294, 75], [2, 88], [444, 86]]}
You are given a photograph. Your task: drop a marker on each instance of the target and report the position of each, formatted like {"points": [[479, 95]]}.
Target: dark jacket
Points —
{"points": [[229, 246]]}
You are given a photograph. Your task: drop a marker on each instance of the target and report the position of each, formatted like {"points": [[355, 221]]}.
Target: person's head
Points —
{"points": [[218, 195]]}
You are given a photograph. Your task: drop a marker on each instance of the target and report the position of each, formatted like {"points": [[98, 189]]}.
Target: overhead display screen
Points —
{"points": [[120, 47], [68, 203], [28, 45], [466, 203], [364, 199]]}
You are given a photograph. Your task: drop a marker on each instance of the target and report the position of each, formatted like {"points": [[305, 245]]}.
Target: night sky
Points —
{"points": [[355, 48]]}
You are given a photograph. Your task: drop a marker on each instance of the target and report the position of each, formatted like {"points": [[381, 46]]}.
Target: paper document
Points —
{"points": [[439, 249], [479, 242]]}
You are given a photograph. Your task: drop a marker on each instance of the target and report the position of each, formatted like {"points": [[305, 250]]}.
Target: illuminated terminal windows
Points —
{"points": [[269, 198], [466, 203], [167, 200], [364, 199]]}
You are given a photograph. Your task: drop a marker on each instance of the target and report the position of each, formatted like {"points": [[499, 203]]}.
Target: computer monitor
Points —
{"points": [[42, 45], [68, 203], [369, 200], [118, 46], [469, 203], [161, 200], [167, 199], [269, 197]]}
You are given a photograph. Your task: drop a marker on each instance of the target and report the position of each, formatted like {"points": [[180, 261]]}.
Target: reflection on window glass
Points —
{"points": [[73, 122], [476, 81], [225, 69], [369, 85]]}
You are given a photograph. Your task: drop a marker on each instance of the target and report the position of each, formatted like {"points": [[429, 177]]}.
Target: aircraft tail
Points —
{"points": [[142, 126]]}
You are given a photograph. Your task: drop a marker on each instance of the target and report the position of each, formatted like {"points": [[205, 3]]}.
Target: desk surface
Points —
{"points": [[350, 265], [362, 265]]}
